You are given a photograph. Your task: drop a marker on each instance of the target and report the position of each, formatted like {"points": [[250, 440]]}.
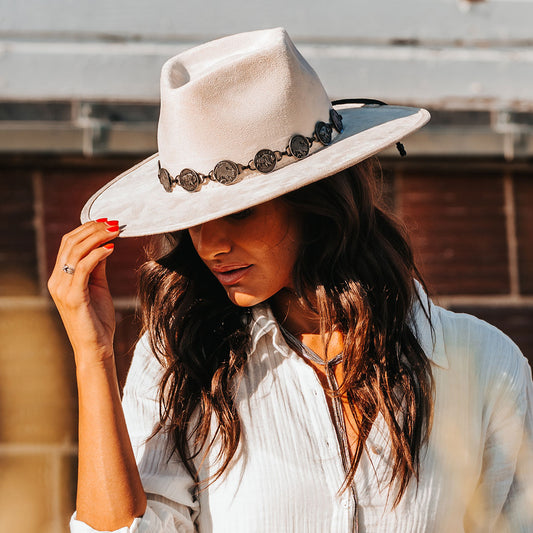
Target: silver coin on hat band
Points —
{"points": [[299, 146], [190, 180], [226, 172], [165, 178], [68, 269], [265, 160], [336, 119], [323, 132]]}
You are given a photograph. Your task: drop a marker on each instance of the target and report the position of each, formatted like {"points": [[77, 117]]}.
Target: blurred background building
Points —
{"points": [[79, 104]]}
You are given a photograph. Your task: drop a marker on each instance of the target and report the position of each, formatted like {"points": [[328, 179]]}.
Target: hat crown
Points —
{"points": [[232, 97]]}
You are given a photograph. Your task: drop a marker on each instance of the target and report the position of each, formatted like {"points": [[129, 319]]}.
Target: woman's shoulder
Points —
{"points": [[462, 330], [462, 342], [479, 349]]}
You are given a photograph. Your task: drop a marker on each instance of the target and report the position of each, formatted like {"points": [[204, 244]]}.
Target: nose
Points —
{"points": [[210, 239]]}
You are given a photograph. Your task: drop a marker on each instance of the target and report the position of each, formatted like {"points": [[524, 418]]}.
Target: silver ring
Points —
{"points": [[68, 269]]}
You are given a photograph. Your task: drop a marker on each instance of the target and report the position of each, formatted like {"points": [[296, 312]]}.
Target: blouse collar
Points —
{"points": [[264, 323], [425, 320]]}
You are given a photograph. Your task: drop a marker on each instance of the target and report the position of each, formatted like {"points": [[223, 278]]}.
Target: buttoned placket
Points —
{"points": [[332, 442], [334, 439]]}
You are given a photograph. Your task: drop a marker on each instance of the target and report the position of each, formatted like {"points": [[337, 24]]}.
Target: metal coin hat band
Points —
{"points": [[227, 172]]}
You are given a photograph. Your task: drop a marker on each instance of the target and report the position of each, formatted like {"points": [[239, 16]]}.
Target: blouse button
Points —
{"points": [[346, 503], [378, 450]]}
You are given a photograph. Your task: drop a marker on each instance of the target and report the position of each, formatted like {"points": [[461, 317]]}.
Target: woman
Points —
{"points": [[293, 376]]}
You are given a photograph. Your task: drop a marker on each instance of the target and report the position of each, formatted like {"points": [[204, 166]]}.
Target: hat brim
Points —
{"points": [[138, 201]]}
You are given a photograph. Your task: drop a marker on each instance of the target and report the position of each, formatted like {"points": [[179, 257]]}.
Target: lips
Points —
{"points": [[230, 274]]}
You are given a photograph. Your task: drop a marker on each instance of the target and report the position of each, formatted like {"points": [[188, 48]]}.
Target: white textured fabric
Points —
{"points": [[476, 472]]}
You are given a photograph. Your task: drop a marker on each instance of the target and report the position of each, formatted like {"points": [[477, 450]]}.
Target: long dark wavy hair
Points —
{"points": [[356, 263]]}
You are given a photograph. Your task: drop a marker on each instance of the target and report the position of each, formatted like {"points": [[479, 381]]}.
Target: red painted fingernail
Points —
{"points": [[101, 220], [112, 229], [112, 222], [109, 245]]}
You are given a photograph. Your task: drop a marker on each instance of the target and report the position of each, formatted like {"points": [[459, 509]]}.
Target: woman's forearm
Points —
{"points": [[110, 492]]}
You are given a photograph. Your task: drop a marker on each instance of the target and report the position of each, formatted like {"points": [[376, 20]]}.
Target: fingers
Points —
{"points": [[79, 242], [70, 237], [82, 250], [98, 275], [73, 291], [92, 268]]}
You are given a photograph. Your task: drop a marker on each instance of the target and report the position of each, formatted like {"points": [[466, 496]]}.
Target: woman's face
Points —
{"points": [[251, 253]]}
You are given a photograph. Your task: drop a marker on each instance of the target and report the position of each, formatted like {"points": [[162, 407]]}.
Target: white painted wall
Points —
{"points": [[333, 20], [438, 53]]}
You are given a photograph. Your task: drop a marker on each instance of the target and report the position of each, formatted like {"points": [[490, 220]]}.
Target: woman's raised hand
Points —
{"points": [[110, 492], [79, 288]]}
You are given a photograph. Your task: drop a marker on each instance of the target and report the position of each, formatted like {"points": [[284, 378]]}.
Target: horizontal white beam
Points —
{"points": [[457, 21], [444, 77]]}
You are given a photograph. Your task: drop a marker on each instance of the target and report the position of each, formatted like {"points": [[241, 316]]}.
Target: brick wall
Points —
{"points": [[40, 202], [471, 224]]}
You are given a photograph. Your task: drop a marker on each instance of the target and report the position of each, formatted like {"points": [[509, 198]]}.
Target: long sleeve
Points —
{"points": [[503, 500], [517, 512], [171, 505]]}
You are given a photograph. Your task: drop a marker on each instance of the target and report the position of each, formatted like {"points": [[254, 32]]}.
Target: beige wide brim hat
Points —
{"points": [[226, 101]]}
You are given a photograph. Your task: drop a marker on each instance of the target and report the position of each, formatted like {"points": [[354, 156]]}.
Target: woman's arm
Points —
{"points": [[110, 492], [170, 490]]}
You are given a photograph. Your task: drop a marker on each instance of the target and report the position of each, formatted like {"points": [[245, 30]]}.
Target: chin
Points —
{"points": [[243, 299]]}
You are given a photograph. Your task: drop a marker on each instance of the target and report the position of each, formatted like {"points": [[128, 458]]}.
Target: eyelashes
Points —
{"points": [[241, 215]]}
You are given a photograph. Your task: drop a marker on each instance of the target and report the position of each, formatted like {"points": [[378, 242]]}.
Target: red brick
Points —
{"points": [[458, 230], [513, 321], [18, 258], [523, 186], [65, 192]]}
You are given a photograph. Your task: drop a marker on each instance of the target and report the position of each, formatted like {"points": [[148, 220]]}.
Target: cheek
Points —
{"points": [[287, 259], [291, 246], [193, 235], [273, 268], [280, 260]]}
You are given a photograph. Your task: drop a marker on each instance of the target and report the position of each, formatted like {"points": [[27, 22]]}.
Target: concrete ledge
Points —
{"points": [[103, 138], [69, 138]]}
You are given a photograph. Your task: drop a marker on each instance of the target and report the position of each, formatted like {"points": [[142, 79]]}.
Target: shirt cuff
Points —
{"points": [[76, 526]]}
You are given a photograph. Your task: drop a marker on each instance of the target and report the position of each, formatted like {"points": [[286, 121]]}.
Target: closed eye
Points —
{"points": [[241, 215]]}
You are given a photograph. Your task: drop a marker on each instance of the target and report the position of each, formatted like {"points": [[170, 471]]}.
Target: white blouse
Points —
{"points": [[476, 472]]}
